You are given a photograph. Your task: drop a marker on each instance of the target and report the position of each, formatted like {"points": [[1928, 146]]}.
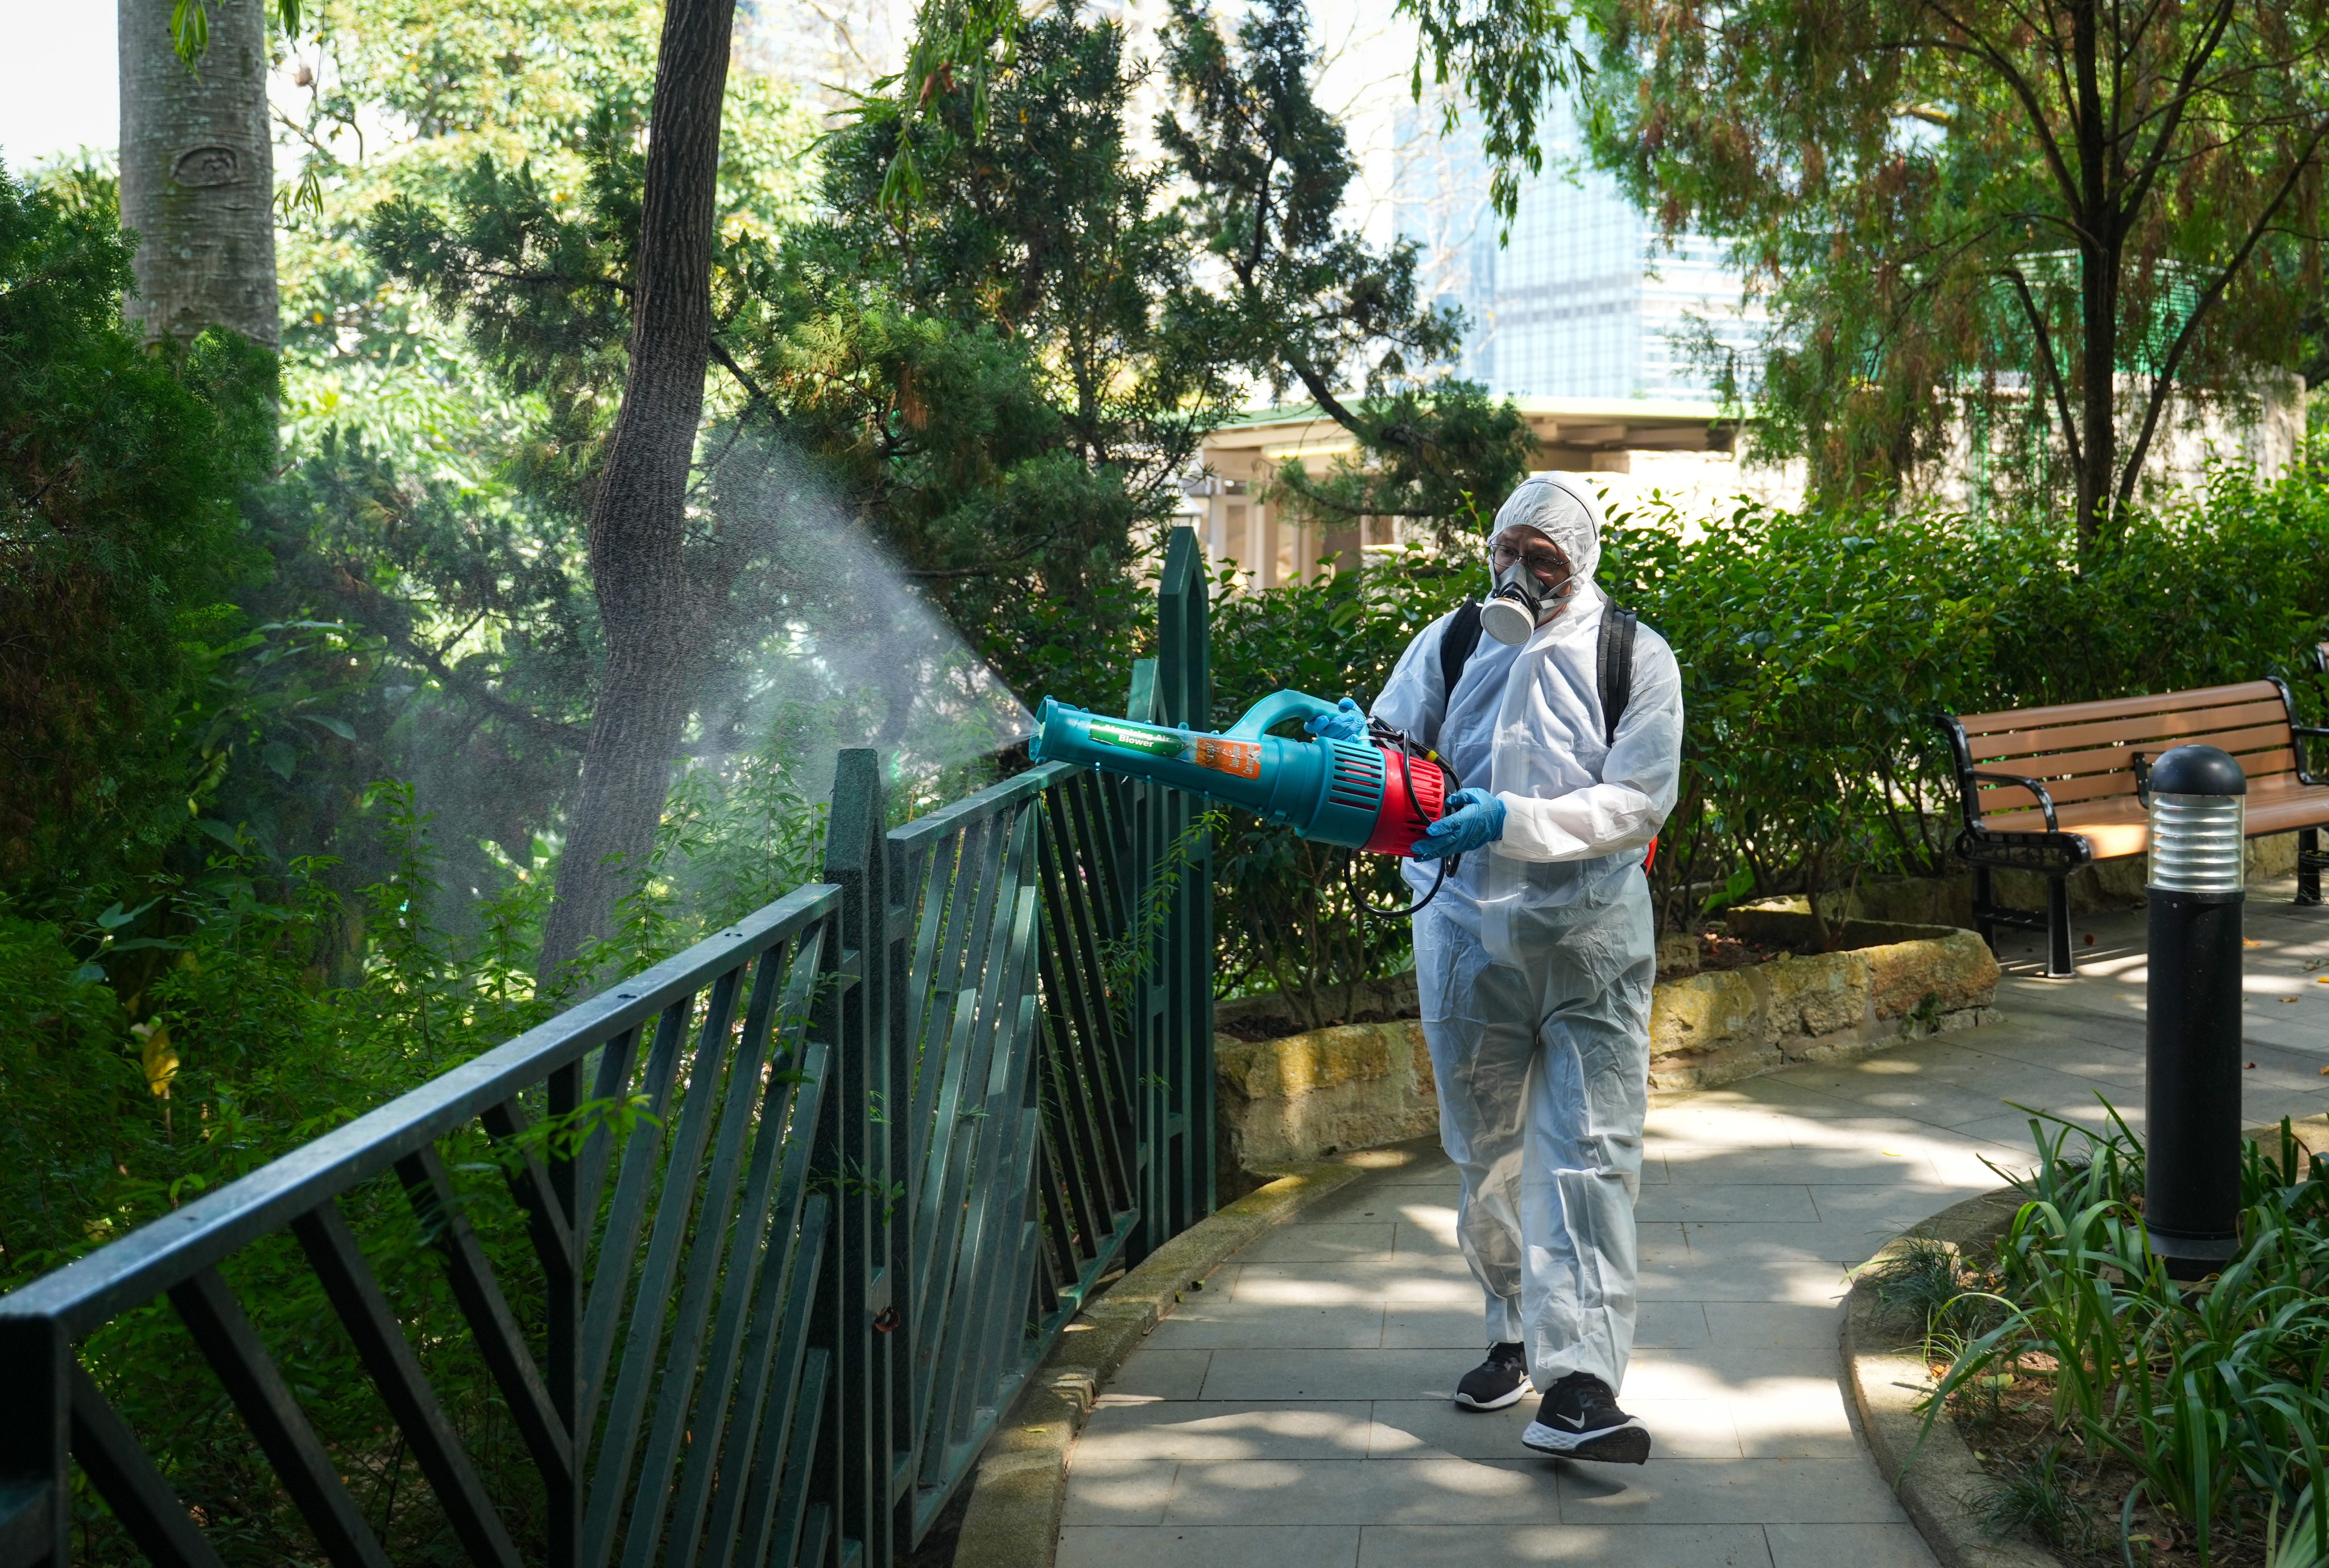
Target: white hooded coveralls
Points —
{"points": [[1535, 962]]}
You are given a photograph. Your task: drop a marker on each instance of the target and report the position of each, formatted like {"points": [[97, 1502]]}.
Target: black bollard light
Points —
{"points": [[2191, 1170]]}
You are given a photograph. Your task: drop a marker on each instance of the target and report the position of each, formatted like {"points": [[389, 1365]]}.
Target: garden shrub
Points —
{"points": [[120, 540], [1815, 648], [1288, 919]]}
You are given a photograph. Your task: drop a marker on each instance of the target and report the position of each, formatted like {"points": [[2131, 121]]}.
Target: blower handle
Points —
{"points": [[1275, 708]]}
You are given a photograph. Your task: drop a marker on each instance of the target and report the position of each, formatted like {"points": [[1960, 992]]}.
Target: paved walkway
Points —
{"points": [[1297, 1413]]}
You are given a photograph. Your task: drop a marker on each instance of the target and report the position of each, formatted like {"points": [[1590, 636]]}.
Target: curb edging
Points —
{"points": [[1013, 1519], [1939, 1482]]}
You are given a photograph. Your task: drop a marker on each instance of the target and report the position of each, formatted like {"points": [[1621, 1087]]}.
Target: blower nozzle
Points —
{"points": [[1375, 795]]}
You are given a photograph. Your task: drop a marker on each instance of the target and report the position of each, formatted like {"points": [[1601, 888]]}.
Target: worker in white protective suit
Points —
{"points": [[1536, 961]]}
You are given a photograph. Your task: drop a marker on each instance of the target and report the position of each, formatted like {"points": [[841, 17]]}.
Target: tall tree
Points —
{"points": [[985, 334], [2075, 213], [1302, 300], [443, 461], [638, 512], [198, 168], [987, 348]]}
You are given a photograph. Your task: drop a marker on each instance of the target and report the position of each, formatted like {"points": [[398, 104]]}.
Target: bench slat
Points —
{"points": [[2111, 834], [2263, 794], [2257, 765], [2119, 827], [2117, 708], [2036, 743], [2121, 759], [2075, 818], [2286, 810], [2065, 791]]}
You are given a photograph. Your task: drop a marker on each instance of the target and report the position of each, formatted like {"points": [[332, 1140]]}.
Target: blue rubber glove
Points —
{"points": [[1475, 817], [1346, 723]]}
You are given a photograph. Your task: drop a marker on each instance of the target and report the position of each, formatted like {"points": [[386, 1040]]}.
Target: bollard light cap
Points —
{"points": [[2197, 771]]}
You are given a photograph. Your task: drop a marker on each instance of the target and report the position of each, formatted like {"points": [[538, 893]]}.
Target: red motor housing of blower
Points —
{"points": [[1414, 796]]}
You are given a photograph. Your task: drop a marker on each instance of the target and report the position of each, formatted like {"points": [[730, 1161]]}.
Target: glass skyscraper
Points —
{"points": [[1585, 300]]}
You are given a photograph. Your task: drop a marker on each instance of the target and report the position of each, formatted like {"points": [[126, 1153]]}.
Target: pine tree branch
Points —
{"points": [[759, 394], [394, 622]]}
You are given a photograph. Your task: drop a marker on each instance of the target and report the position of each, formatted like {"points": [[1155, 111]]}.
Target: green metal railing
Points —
{"points": [[898, 1126]]}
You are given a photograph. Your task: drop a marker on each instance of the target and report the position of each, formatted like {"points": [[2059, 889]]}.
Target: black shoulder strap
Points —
{"points": [[1614, 660], [1614, 664], [1457, 641]]}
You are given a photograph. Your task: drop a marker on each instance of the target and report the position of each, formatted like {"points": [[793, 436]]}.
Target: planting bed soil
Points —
{"points": [[2071, 1504], [1718, 950]]}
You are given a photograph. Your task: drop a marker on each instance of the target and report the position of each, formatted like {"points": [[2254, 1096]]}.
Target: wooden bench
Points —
{"points": [[2051, 789]]}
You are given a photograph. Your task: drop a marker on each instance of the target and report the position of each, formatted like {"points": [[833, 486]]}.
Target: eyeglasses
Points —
{"points": [[1542, 559]]}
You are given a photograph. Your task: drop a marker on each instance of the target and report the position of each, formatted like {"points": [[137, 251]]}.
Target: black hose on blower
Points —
{"points": [[1400, 746]]}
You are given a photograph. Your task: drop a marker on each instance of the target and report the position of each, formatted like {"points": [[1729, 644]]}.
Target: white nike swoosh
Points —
{"points": [[1573, 1422]]}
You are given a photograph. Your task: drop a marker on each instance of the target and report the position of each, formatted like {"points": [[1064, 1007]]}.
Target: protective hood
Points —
{"points": [[1565, 510]]}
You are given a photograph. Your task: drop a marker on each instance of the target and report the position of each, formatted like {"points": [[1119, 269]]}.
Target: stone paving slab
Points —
{"points": [[1497, 1546], [1296, 1415]]}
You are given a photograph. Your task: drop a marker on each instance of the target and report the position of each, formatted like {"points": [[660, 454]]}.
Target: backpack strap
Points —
{"points": [[1613, 658], [1458, 638], [1614, 663]]}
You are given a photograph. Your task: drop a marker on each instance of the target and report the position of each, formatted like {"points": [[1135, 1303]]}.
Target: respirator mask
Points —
{"points": [[1519, 599]]}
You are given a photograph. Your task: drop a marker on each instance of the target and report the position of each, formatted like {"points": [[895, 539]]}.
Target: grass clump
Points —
{"points": [[2047, 1499]]}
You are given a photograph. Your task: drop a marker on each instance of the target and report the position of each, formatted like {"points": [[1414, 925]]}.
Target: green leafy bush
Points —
{"points": [[120, 540], [1815, 648], [159, 1050], [1287, 916]]}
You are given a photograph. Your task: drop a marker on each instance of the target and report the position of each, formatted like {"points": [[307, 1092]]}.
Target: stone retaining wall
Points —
{"points": [[1722, 1026], [1366, 1085], [1330, 1091]]}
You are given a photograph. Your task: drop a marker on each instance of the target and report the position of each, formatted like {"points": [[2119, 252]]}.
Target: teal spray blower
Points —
{"points": [[1377, 795]]}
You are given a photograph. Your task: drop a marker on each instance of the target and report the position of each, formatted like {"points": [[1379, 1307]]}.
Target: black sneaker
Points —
{"points": [[1580, 1420], [1496, 1382]]}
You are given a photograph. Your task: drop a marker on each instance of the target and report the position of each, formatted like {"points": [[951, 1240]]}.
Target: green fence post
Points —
{"points": [[35, 1477], [1172, 999], [563, 1305], [1152, 1096], [1184, 656], [857, 1156]]}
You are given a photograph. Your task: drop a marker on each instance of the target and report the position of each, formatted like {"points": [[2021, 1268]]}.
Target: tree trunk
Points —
{"points": [[198, 174], [638, 514], [2098, 441], [2098, 260]]}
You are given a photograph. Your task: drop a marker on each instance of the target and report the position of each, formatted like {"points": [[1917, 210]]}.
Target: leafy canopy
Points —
{"points": [[1973, 221], [1300, 300]]}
